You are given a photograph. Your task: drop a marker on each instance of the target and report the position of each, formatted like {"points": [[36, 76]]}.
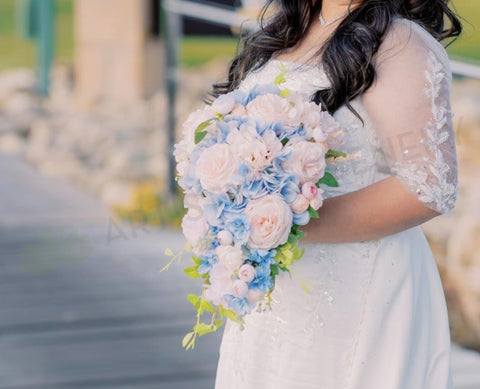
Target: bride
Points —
{"points": [[364, 308]]}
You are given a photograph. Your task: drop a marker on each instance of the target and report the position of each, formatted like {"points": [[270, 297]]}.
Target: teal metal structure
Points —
{"points": [[36, 21]]}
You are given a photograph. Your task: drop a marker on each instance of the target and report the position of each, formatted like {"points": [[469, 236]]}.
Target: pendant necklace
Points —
{"points": [[324, 23]]}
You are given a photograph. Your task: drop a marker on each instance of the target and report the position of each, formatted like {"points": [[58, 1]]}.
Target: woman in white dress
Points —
{"points": [[374, 316]]}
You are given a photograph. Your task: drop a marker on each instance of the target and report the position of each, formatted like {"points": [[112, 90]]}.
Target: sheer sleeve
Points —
{"points": [[409, 107]]}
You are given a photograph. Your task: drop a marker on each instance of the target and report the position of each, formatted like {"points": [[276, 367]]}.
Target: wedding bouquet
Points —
{"points": [[251, 166]]}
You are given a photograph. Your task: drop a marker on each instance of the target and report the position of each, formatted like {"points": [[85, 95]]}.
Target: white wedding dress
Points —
{"points": [[375, 317]]}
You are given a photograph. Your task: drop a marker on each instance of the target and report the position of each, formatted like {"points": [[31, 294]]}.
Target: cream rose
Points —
{"points": [[229, 256], [217, 168], [270, 221], [307, 160]]}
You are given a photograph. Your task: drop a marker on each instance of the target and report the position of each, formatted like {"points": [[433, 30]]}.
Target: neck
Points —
{"points": [[333, 8]]}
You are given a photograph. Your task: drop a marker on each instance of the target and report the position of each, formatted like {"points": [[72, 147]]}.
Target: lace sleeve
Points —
{"points": [[409, 106]]}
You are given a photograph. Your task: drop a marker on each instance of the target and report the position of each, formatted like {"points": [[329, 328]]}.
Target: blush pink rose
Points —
{"points": [[270, 221], [246, 272], [229, 256], [217, 168], [317, 201], [300, 204], [309, 190], [307, 160], [270, 108], [239, 288]]}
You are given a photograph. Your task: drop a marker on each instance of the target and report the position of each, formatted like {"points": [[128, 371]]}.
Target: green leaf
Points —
{"points": [[199, 131], [312, 212], [192, 271], [285, 93], [328, 180], [284, 141], [197, 260], [274, 270], [194, 299], [199, 135], [187, 339], [335, 154], [205, 305], [203, 328]]}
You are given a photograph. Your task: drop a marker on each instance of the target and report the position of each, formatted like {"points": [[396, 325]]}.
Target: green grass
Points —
{"points": [[16, 51], [195, 50], [468, 45]]}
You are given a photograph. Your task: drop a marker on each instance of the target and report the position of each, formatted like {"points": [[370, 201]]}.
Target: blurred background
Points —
{"points": [[92, 96]]}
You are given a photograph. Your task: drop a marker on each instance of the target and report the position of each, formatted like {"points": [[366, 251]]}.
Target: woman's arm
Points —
{"points": [[380, 209], [409, 106]]}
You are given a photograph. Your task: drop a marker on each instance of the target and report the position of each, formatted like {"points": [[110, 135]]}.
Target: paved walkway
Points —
{"points": [[82, 304]]}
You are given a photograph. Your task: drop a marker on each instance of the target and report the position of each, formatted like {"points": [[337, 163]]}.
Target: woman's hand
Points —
{"points": [[383, 208]]}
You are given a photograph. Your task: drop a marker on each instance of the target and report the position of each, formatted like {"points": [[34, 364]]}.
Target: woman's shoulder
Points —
{"points": [[409, 37]]}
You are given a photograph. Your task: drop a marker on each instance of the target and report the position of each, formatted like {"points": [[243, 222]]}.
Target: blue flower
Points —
{"points": [[263, 280], [262, 256], [240, 305], [207, 262], [301, 218], [239, 226]]}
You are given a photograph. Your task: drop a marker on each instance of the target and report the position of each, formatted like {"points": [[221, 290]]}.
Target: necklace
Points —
{"points": [[324, 23]]}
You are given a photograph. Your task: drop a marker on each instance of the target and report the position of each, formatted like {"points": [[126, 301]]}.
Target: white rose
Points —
{"points": [[229, 256], [194, 227]]}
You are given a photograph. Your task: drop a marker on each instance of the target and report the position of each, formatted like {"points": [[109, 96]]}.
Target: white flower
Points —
{"points": [[217, 168]]}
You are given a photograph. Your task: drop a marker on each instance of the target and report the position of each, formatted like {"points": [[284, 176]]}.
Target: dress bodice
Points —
{"points": [[407, 130]]}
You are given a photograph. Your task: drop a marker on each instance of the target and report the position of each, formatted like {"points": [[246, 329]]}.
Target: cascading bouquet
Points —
{"points": [[251, 166]]}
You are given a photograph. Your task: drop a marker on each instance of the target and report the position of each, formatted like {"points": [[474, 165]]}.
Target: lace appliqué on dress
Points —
{"points": [[432, 181]]}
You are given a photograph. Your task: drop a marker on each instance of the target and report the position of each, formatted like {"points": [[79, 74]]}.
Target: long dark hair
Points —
{"points": [[347, 54]]}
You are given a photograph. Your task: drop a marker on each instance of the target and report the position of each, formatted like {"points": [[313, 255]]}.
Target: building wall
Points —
{"points": [[116, 55]]}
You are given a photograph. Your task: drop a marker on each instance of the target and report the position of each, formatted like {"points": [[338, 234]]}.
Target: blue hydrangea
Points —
{"points": [[208, 261], [240, 305]]}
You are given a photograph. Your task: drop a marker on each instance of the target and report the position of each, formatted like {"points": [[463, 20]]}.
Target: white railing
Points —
{"points": [[222, 15]]}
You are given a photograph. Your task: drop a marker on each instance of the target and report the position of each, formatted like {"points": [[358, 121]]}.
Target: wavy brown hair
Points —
{"points": [[348, 52]]}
